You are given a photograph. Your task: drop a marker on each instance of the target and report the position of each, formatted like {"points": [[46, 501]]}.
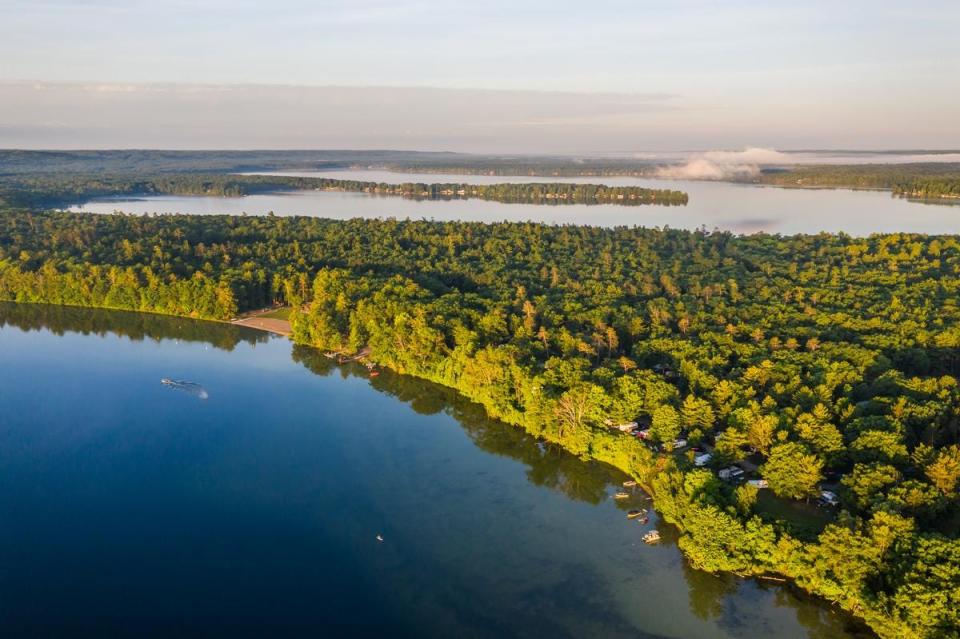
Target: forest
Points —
{"points": [[920, 180], [815, 362], [43, 190]]}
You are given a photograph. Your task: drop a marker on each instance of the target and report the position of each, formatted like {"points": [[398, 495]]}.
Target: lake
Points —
{"points": [[740, 208], [131, 508]]}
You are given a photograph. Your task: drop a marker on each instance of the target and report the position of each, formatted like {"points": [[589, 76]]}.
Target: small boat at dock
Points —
{"points": [[633, 514], [652, 537], [621, 494], [629, 484]]}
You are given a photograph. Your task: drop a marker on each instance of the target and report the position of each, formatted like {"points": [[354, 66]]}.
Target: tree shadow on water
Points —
{"points": [[548, 465]]}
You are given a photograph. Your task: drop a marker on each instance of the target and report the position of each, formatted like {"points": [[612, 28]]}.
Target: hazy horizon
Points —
{"points": [[497, 77]]}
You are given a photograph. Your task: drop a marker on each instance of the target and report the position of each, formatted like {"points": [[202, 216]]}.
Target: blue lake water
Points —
{"points": [[740, 208], [130, 509]]}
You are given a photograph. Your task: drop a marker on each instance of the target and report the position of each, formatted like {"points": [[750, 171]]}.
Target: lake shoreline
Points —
{"points": [[741, 209], [644, 483], [646, 486]]}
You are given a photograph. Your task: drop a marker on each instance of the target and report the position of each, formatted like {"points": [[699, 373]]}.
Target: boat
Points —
{"points": [[380, 538], [633, 514], [652, 537], [621, 494], [629, 483], [190, 387], [374, 373]]}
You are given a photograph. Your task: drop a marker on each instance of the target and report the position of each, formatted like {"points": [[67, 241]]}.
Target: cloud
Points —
{"points": [[724, 165], [99, 115]]}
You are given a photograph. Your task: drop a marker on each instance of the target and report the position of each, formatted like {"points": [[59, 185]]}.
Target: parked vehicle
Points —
{"points": [[731, 474], [702, 460]]}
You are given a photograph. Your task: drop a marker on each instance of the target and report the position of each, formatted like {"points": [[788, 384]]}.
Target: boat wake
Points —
{"points": [[188, 387]]}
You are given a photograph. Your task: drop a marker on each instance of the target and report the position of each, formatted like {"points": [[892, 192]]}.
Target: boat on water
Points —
{"points": [[621, 494], [629, 484], [652, 537], [190, 387], [633, 514], [374, 373]]}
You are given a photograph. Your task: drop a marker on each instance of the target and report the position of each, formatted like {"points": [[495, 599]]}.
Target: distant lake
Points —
{"points": [[741, 208], [129, 508]]}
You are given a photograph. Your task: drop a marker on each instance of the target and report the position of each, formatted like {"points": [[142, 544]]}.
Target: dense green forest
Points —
{"points": [[822, 361], [42, 190], [922, 180]]}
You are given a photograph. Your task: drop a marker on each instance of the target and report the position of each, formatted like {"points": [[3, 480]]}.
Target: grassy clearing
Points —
{"points": [[802, 520], [280, 313]]}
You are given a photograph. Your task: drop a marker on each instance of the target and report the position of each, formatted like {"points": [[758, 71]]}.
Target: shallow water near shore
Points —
{"points": [[129, 509]]}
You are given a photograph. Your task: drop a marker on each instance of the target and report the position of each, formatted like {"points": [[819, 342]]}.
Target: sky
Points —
{"points": [[496, 76]]}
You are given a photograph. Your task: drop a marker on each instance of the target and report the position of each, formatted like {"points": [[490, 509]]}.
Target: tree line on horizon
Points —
{"points": [[931, 180], [38, 191]]}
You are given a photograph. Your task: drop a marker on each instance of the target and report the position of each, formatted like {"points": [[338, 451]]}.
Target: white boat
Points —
{"points": [[652, 537], [190, 387]]}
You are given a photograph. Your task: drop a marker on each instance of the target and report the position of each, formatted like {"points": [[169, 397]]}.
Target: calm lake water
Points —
{"points": [[129, 508], [741, 208]]}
